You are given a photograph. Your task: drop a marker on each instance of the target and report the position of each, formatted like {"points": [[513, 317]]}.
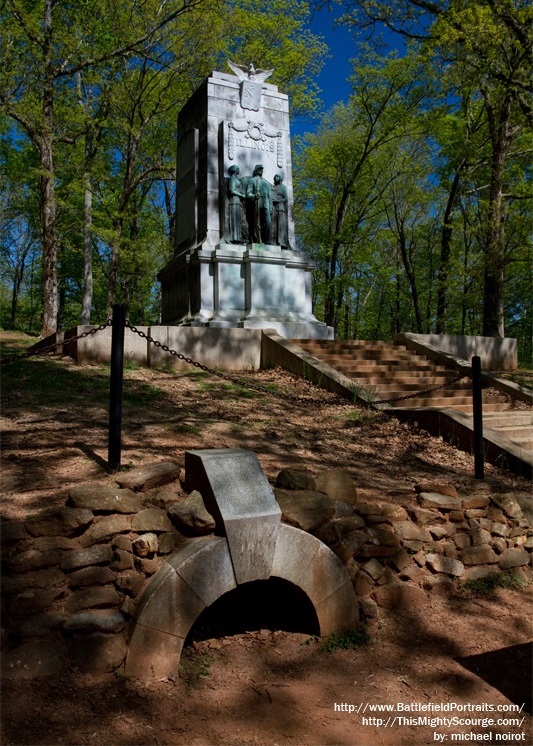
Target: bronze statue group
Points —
{"points": [[263, 206]]}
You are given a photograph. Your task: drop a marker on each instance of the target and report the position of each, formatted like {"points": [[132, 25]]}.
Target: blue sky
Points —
{"points": [[333, 80]]}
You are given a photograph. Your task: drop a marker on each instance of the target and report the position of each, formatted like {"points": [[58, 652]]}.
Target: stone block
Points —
{"points": [[402, 596], [295, 479], [147, 477], [499, 544], [438, 501], [122, 542], [423, 516], [91, 576], [46, 543], [151, 519], [363, 584], [368, 608], [130, 584], [191, 516], [329, 533], [145, 545], [98, 555], [304, 509], [441, 585], [509, 505], [122, 560], [95, 620], [168, 542], [410, 531], [394, 513], [481, 555], [105, 528], [513, 558], [400, 560], [349, 523], [239, 497], [481, 536], [59, 522], [438, 487], [104, 498], [337, 485], [389, 576], [374, 568], [462, 540], [446, 565], [93, 598], [475, 501], [33, 559]]}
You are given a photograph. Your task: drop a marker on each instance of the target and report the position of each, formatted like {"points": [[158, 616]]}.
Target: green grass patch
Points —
{"points": [[483, 586], [345, 641], [360, 417], [194, 666], [228, 391], [341, 641], [185, 428]]}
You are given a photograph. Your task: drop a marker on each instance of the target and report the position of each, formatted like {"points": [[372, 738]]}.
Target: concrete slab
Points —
{"points": [[239, 497], [312, 566], [153, 654], [169, 604], [206, 568]]}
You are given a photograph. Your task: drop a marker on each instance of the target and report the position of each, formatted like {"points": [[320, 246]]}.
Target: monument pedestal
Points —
{"points": [[242, 286]]}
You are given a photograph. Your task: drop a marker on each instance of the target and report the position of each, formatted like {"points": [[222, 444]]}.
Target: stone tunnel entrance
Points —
{"points": [[256, 562], [273, 604]]}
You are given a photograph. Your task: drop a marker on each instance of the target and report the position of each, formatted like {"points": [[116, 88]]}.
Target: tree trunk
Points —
{"points": [[445, 251], [48, 199], [502, 135], [87, 233], [113, 267]]}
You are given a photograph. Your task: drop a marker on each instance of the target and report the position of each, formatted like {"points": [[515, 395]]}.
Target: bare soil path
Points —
{"points": [[466, 650]]}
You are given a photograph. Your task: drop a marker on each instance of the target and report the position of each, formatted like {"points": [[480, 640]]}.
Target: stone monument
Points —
{"points": [[236, 263]]}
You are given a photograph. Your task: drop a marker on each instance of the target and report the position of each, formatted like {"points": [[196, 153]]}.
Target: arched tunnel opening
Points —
{"points": [[274, 604]]}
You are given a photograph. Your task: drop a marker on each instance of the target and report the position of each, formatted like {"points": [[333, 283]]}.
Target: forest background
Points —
{"points": [[413, 196]]}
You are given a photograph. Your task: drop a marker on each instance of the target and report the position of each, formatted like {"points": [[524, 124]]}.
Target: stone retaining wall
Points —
{"points": [[74, 575]]}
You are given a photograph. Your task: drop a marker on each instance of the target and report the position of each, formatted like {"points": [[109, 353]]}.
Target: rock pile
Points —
{"points": [[74, 575]]}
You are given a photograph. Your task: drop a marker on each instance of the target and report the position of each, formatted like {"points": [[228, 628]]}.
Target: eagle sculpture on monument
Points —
{"points": [[251, 84]]}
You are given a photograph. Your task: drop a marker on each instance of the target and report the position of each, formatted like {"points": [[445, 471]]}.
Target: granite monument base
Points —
{"points": [[253, 286]]}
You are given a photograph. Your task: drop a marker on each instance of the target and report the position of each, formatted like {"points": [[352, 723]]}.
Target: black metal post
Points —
{"points": [[115, 388], [477, 392]]}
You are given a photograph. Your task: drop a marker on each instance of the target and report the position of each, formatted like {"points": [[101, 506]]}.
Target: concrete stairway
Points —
{"points": [[391, 371], [388, 371]]}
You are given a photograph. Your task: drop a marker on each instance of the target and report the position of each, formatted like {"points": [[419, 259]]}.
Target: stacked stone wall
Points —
{"points": [[74, 575]]}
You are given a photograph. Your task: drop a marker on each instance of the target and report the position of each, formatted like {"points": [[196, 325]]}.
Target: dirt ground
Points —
{"points": [[468, 652]]}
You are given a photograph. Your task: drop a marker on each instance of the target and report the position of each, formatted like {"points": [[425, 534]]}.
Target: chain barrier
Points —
{"points": [[238, 382], [55, 345], [444, 385], [340, 401]]}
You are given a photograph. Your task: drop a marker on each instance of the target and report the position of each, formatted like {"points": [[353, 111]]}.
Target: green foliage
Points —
{"points": [[194, 666], [96, 89], [345, 641], [484, 586]]}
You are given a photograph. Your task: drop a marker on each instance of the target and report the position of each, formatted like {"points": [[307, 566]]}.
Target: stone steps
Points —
{"points": [[392, 371]]}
